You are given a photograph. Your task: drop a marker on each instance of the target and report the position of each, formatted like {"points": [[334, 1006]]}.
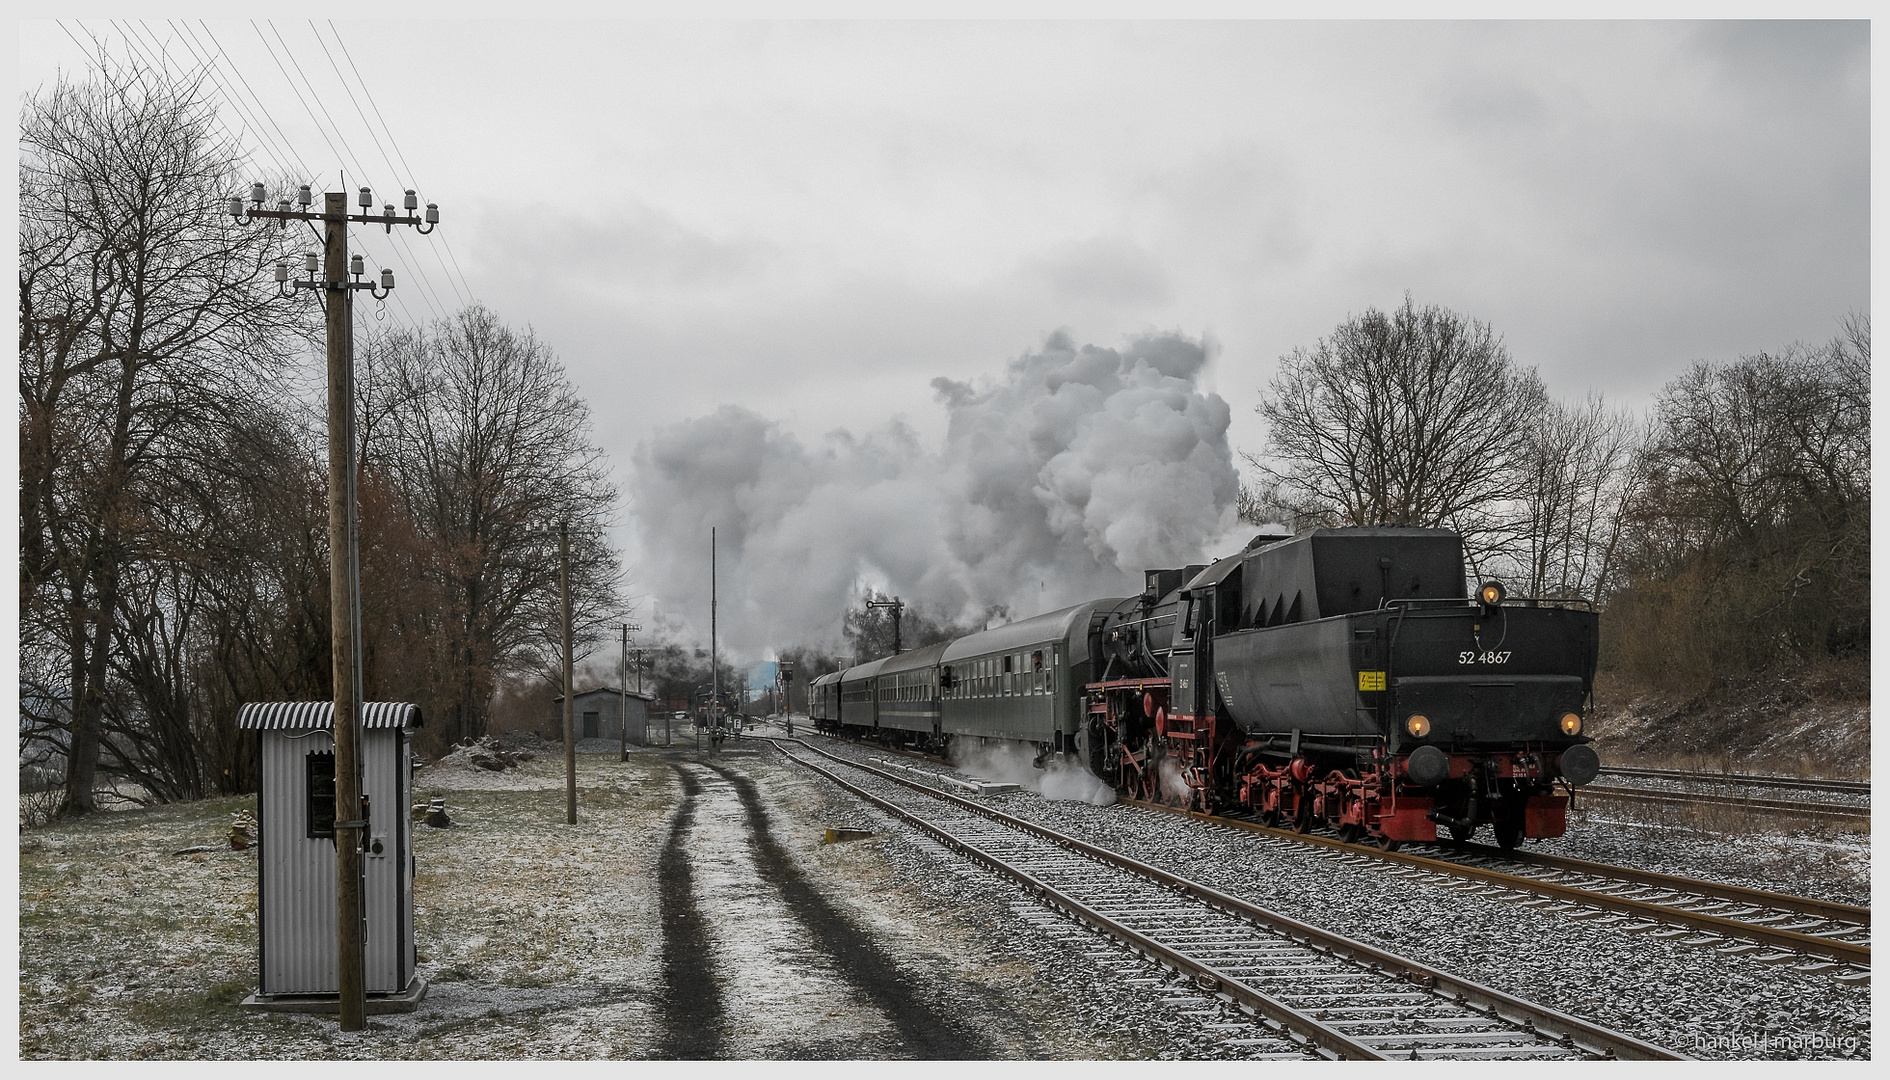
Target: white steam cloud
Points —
{"points": [[1060, 780], [1058, 483]]}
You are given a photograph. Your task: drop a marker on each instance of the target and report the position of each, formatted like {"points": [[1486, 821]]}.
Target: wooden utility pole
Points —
{"points": [[623, 694], [715, 669], [344, 547], [342, 616], [564, 622], [623, 697]]}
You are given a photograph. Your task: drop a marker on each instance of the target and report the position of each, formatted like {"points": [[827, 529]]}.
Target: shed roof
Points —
{"points": [[318, 715], [612, 691]]}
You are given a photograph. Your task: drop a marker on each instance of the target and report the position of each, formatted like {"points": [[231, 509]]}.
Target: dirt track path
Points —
{"points": [[758, 963]]}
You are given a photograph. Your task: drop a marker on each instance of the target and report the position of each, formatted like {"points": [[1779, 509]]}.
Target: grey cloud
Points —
{"points": [[1786, 54], [1106, 270], [636, 245], [1490, 103], [1241, 203]]}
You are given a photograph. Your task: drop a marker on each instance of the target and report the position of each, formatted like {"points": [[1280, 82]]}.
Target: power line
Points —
{"points": [[426, 287], [405, 314], [189, 42], [400, 300], [297, 92], [157, 63], [411, 176], [142, 43], [357, 105], [312, 176], [159, 56]]}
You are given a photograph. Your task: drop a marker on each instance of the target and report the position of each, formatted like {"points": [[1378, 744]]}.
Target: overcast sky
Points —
{"points": [[813, 221]]}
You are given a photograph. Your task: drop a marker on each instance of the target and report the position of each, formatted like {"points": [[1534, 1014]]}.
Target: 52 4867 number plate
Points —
{"points": [[1490, 657]]}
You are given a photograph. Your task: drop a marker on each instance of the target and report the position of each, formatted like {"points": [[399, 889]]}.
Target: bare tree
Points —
{"points": [[144, 312], [1416, 417], [1583, 470], [488, 444], [1749, 540]]}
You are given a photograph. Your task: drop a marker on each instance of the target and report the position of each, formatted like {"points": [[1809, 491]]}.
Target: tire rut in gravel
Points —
{"points": [[923, 1024], [690, 1006]]}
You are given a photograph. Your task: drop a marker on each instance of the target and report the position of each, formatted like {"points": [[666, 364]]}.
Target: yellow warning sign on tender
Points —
{"points": [[1371, 680]]}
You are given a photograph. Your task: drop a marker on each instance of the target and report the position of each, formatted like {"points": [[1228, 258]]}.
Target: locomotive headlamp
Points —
{"points": [[1571, 724], [1491, 594], [1418, 724]]}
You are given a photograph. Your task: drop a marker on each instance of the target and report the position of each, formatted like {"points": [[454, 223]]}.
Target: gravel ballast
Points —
{"points": [[1693, 999]]}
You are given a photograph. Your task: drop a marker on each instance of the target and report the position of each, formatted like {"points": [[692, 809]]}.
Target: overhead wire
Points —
{"points": [[234, 146], [369, 94], [405, 314], [252, 133], [405, 241], [157, 62], [426, 287], [251, 124], [319, 130], [313, 177]]}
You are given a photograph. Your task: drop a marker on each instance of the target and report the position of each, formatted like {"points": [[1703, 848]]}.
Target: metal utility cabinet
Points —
{"points": [[297, 954]]}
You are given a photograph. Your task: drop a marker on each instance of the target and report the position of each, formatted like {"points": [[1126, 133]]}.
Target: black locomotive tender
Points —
{"points": [[1344, 677]]}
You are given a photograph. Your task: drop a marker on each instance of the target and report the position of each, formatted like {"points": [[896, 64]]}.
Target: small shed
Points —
{"points": [[297, 953], [599, 714]]}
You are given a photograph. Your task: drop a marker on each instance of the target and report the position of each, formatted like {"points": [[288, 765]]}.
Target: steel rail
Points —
{"points": [[1526, 1016], [1700, 776], [1803, 905], [1682, 798], [1806, 944], [1290, 1019]]}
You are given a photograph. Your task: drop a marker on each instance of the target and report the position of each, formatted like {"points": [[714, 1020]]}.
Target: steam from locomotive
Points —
{"points": [[1061, 479]]}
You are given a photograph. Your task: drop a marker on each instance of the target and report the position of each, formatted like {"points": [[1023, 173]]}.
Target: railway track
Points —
{"points": [[1721, 798], [1814, 936], [1333, 996], [1847, 787]]}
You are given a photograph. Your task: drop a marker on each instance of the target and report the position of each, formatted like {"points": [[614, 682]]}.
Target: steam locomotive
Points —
{"points": [[1344, 678]]}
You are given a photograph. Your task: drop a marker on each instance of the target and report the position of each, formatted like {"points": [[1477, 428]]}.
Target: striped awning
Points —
{"points": [[316, 715]]}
